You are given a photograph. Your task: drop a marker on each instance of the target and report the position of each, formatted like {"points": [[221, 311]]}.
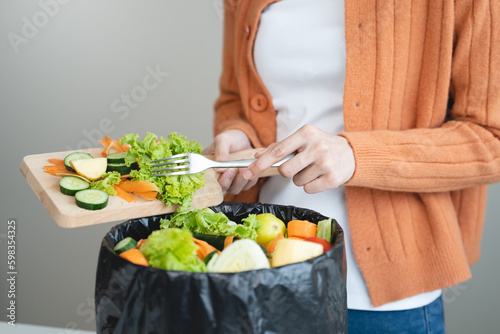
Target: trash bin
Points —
{"points": [[306, 297]]}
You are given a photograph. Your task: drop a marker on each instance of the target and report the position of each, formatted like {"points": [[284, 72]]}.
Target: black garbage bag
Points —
{"points": [[306, 297]]}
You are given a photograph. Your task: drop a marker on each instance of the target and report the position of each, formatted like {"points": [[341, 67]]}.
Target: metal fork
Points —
{"points": [[192, 163]]}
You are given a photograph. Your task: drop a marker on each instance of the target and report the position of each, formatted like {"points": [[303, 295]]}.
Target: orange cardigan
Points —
{"points": [[422, 114]]}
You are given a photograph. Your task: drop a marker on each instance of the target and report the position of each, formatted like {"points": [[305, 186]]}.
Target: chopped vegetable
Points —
{"points": [[229, 240], [107, 183], [123, 194], [291, 251], [172, 249], [301, 229], [205, 220], [135, 256], [112, 146], [326, 245], [125, 244], [211, 256], [75, 156], [92, 169], [272, 245], [56, 161], [138, 186], [91, 199], [70, 185], [216, 241], [325, 230], [139, 243], [149, 195], [240, 256], [204, 248], [178, 189]]}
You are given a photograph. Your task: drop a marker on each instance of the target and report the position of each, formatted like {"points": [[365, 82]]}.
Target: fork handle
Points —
{"points": [[246, 162]]}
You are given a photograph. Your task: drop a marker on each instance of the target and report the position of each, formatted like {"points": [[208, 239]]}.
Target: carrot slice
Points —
{"points": [[56, 161], [270, 246], [149, 195], [123, 194], [53, 167], [229, 240], [135, 256], [301, 228], [204, 248], [138, 186]]}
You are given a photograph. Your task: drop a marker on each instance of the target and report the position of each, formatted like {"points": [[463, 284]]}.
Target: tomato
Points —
{"points": [[139, 243], [326, 245]]}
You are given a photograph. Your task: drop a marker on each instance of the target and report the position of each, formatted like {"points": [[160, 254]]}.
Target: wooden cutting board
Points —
{"points": [[66, 214]]}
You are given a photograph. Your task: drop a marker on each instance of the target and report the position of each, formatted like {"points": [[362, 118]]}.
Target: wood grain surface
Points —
{"points": [[66, 214]]}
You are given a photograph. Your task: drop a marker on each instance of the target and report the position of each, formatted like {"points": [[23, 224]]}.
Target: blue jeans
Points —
{"points": [[427, 319]]}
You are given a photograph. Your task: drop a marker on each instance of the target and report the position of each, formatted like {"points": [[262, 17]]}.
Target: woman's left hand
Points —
{"points": [[322, 161]]}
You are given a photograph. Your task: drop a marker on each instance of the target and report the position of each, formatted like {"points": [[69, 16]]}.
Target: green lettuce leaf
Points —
{"points": [[106, 184], [178, 189], [206, 221], [172, 249]]}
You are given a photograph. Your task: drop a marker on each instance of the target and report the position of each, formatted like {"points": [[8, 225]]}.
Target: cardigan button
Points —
{"points": [[247, 30], [258, 102]]}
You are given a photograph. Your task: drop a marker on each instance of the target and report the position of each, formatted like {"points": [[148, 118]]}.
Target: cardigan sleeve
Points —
{"points": [[465, 150], [229, 110]]}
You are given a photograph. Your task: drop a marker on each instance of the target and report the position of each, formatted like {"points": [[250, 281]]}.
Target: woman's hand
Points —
{"points": [[231, 180], [322, 161]]}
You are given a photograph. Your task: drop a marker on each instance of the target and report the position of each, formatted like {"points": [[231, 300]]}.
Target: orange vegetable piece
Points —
{"points": [[138, 186], [111, 145], [301, 228], [135, 256], [204, 248], [270, 246], [149, 195], [56, 161], [229, 240], [123, 194], [296, 238]]}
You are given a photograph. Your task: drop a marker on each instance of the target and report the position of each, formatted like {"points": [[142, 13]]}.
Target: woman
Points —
{"points": [[392, 111]]}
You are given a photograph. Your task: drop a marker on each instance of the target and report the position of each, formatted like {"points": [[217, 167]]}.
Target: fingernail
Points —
{"points": [[247, 175]]}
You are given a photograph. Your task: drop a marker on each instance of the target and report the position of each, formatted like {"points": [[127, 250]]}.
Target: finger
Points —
{"points": [[272, 154], [226, 178], [320, 184], [238, 184]]}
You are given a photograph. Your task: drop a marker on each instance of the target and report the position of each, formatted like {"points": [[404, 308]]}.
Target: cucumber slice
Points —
{"points": [[209, 257], [116, 158], [125, 244], [91, 199], [70, 185], [75, 156], [121, 168]]}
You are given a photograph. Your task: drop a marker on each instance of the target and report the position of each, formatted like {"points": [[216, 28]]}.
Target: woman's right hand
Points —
{"points": [[231, 180]]}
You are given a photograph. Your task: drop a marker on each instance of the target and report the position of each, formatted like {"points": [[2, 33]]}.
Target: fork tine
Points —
{"points": [[173, 168], [182, 155], [184, 172], [174, 162]]}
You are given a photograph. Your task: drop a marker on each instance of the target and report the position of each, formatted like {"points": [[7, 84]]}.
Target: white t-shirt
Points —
{"points": [[299, 53]]}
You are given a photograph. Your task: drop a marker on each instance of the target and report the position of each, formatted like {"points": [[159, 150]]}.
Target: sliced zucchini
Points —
{"points": [[214, 240], [75, 156], [70, 185], [91, 199], [116, 158], [121, 168], [125, 244]]}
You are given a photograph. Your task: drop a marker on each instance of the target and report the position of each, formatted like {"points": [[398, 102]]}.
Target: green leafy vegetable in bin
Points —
{"points": [[172, 249], [176, 189], [324, 230], [206, 221]]}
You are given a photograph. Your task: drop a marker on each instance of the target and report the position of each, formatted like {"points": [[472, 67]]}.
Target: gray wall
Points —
{"points": [[61, 86]]}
